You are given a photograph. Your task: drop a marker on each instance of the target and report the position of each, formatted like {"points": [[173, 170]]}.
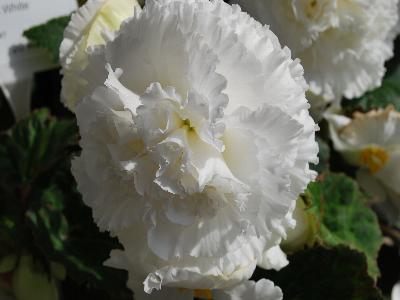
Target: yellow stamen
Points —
{"points": [[186, 124], [375, 158], [203, 294]]}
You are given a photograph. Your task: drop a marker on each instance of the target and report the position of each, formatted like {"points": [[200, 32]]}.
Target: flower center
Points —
{"points": [[186, 124], [374, 158]]}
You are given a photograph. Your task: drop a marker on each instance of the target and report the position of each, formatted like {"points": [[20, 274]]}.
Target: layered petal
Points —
{"points": [[260, 290], [88, 27], [249, 290]]}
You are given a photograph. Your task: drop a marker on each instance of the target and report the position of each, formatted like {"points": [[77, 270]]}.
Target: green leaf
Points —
{"points": [[79, 246], [49, 35], [387, 94], [35, 146], [323, 155], [51, 229], [41, 211], [343, 218], [328, 274], [30, 154], [47, 215], [64, 229]]}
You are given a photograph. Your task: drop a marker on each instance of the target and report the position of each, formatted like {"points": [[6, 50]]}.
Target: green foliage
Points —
{"points": [[49, 35], [35, 146], [28, 156], [67, 235], [328, 274], [344, 218], [387, 94], [42, 212]]}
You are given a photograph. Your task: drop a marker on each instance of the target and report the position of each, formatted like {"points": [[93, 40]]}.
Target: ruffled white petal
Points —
{"points": [[376, 128], [154, 273], [250, 290], [274, 258], [88, 27]]}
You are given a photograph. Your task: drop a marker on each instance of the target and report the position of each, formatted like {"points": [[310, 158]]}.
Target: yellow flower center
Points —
{"points": [[186, 124], [203, 294], [375, 158]]}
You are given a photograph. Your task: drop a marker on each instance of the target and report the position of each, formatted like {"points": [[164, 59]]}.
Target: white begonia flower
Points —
{"points": [[247, 290], [196, 142], [342, 44], [371, 141], [88, 27]]}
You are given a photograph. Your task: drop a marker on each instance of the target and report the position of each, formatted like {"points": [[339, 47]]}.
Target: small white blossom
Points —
{"points": [[196, 142], [371, 142], [343, 44]]}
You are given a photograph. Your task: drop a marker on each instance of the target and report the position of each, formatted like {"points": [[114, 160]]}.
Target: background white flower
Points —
{"points": [[342, 44], [371, 141], [196, 142], [87, 28]]}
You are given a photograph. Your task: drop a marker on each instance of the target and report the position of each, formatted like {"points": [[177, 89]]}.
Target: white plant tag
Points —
{"points": [[18, 61]]}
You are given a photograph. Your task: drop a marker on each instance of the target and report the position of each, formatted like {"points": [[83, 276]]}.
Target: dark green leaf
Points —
{"points": [[29, 153], [35, 146], [49, 35], [41, 211], [83, 256], [66, 233], [328, 274], [344, 218]]}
